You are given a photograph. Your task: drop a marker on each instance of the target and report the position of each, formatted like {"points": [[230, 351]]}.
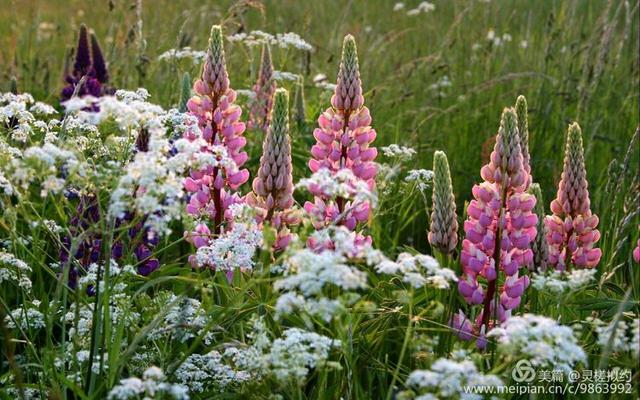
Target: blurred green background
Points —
{"points": [[436, 80]]}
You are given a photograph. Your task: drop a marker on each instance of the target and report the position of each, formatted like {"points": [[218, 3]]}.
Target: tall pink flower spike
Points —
{"points": [[499, 230], [264, 90], [343, 140], [571, 229], [272, 195], [212, 187], [636, 252]]}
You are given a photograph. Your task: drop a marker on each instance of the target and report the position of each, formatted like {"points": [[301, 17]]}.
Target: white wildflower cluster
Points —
{"points": [[451, 379], [248, 93], [423, 7], [216, 157], [322, 81], [13, 269], [152, 184], [621, 336], [418, 271], [235, 248], [185, 319], [152, 385], [48, 224], [119, 301], [6, 188], [17, 112], [562, 282], [211, 372], [423, 178], [22, 392], [309, 277], [285, 76], [80, 315], [42, 109], [297, 352], [196, 56], [129, 110], [89, 278], [343, 184], [496, 39], [441, 85], [48, 165], [402, 153], [541, 340], [288, 358], [398, 6], [282, 40], [77, 103], [26, 317]]}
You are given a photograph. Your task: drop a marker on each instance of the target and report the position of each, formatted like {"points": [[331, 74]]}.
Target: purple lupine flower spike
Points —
{"points": [[82, 65], [98, 63], [499, 230], [89, 69]]}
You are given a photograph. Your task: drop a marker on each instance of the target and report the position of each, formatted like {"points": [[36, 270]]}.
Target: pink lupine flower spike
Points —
{"points": [[499, 230]]}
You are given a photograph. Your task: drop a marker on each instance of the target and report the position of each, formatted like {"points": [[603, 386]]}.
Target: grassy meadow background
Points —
{"points": [[433, 81], [573, 60]]}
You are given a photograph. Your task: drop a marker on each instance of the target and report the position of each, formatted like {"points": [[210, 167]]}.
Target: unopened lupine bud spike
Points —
{"points": [[523, 130], [505, 165], [98, 62], [443, 232], [280, 113], [83, 55], [273, 185], [539, 245], [185, 92], [571, 229], [348, 92], [214, 71], [264, 89], [299, 106]]}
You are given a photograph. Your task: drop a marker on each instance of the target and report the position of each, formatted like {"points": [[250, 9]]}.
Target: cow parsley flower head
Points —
{"points": [[282, 40], [402, 153], [541, 340], [451, 379], [422, 177], [292, 356], [26, 317], [417, 270], [321, 280], [562, 282], [152, 385], [234, 248], [13, 269], [621, 336], [185, 53]]}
